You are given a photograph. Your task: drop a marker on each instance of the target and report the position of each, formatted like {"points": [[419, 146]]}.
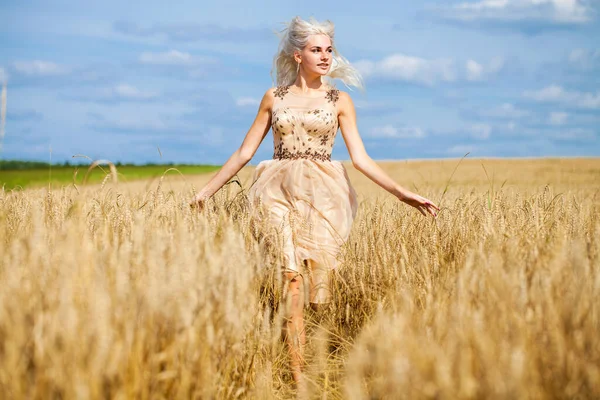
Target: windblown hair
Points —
{"points": [[295, 37]]}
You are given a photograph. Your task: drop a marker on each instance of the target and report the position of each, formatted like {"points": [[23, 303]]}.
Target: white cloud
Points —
{"points": [[556, 11], [159, 127], [584, 58], [556, 94], [3, 75], [389, 131], [408, 68], [427, 71], [480, 131], [173, 57], [506, 110], [376, 108], [550, 93], [486, 4], [40, 68], [151, 123], [134, 124], [478, 72], [191, 32], [120, 92], [247, 101], [575, 134], [125, 91], [558, 118], [474, 70], [568, 10]]}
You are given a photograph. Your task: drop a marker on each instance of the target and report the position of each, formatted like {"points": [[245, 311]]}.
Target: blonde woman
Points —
{"points": [[307, 196]]}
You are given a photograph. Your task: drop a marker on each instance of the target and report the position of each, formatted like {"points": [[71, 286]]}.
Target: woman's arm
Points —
{"points": [[241, 157], [366, 165]]}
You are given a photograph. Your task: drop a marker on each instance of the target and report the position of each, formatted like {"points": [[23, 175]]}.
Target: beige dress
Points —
{"points": [[305, 195]]}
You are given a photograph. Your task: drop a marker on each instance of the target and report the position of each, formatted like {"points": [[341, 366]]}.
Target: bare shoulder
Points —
{"points": [[268, 98], [270, 94], [345, 103], [344, 97]]}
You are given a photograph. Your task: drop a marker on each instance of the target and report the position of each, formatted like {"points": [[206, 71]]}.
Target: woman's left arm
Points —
{"points": [[365, 164]]}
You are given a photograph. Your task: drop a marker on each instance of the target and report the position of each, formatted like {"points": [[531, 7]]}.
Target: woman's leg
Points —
{"points": [[294, 325], [320, 289]]}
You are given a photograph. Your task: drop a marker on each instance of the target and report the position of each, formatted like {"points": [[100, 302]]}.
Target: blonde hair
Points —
{"points": [[295, 37]]}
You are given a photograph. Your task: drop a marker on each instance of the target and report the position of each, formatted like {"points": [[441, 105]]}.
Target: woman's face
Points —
{"points": [[315, 57]]}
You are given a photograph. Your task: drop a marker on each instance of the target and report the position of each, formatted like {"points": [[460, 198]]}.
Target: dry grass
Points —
{"points": [[120, 291]]}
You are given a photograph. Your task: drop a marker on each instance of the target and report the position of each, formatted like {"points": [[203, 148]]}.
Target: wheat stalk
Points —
{"points": [[144, 299]]}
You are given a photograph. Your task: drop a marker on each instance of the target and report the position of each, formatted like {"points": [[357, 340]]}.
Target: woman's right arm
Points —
{"points": [[366, 165], [241, 157]]}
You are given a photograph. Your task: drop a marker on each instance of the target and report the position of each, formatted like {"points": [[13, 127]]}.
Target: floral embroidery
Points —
{"points": [[281, 91], [298, 132], [281, 154], [332, 96]]}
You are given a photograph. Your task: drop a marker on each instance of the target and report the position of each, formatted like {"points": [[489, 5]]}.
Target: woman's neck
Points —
{"points": [[307, 85]]}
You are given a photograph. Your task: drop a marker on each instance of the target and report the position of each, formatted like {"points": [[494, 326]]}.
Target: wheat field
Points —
{"points": [[120, 291]]}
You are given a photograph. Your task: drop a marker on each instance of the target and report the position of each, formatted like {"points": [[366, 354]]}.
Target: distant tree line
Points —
{"points": [[22, 165], [12, 165]]}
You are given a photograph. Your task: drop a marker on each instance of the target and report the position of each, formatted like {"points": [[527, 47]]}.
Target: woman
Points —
{"points": [[305, 194]]}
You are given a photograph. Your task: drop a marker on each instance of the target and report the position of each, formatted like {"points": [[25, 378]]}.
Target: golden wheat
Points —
{"points": [[121, 291]]}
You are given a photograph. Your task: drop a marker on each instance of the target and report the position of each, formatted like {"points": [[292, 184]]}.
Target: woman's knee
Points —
{"points": [[295, 295], [293, 279], [292, 276], [294, 283]]}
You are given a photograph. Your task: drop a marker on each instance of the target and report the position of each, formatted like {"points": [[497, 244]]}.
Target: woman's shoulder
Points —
{"points": [[339, 97], [343, 102], [268, 98], [276, 91], [270, 93]]}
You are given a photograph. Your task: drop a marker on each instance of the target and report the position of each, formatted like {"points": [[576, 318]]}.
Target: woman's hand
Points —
{"points": [[420, 203], [199, 201]]}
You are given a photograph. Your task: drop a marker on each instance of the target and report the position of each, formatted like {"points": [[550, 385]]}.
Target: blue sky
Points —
{"points": [[117, 80]]}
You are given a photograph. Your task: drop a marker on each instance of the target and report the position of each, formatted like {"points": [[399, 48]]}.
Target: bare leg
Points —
{"points": [[294, 325], [320, 289]]}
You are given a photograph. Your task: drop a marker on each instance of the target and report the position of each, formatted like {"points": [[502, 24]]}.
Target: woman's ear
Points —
{"points": [[297, 56]]}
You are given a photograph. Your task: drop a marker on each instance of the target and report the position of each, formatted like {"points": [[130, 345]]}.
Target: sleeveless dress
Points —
{"points": [[305, 195]]}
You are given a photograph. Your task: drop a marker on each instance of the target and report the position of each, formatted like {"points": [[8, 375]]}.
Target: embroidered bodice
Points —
{"points": [[304, 126]]}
